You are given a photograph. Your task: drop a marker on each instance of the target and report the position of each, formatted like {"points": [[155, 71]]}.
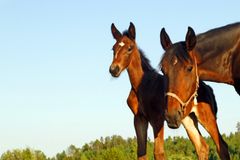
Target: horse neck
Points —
{"points": [[210, 66], [216, 50], [135, 70]]}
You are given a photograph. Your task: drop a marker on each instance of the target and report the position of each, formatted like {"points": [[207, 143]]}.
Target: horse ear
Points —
{"points": [[164, 39], [131, 31], [190, 39], [116, 34]]}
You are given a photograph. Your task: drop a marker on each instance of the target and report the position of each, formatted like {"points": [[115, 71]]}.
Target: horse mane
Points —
{"points": [[144, 60], [214, 105], [204, 91]]}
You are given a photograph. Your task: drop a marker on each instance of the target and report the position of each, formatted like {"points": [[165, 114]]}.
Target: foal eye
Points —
{"points": [[189, 68], [130, 49]]}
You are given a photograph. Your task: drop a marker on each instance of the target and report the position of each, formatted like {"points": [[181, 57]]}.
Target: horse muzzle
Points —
{"points": [[173, 120], [114, 70]]}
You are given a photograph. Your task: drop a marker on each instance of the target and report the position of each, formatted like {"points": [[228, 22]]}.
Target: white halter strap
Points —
{"points": [[194, 95]]}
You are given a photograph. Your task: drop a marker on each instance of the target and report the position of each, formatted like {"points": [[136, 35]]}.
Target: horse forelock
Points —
{"points": [[178, 50], [125, 33], [182, 53]]}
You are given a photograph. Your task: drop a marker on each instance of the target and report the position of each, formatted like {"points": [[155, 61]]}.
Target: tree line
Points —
{"points": [[118, 148]]}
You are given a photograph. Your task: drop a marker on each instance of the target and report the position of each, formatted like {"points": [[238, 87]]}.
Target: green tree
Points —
{"points": [[117, 148], [25, 154], [238, 126]]}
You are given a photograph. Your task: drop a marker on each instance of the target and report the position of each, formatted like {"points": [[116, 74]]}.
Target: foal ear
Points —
{"points": [[190, 39], [164, 39], [116, 34], [131, 31]]}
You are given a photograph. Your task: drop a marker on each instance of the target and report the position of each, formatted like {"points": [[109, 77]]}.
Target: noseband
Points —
{"points": [[194, 95]]}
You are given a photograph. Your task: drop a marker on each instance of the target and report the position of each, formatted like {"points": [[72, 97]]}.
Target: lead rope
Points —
{"points": [[194, 95]]}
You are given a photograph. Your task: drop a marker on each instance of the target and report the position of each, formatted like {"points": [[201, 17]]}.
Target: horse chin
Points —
{"points": [[116, 75], [174, 125]]}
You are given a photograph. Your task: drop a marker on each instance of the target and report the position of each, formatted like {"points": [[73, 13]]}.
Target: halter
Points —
{"points": [[194, 95]]}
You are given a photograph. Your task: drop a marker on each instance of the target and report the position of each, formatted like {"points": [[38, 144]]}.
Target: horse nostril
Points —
{"points": [[179, 112], [116, 69], [111, 69]]}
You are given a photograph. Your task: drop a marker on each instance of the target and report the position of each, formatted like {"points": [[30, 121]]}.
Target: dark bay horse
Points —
{"points": [[211, 56], [146, 100]]}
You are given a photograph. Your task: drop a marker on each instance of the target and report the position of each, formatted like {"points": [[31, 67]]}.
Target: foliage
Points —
{"points": [[25, 154], [117, 148], [179, 148], [238, 127]]}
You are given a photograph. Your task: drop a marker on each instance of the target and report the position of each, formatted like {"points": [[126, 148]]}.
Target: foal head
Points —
{"points": [[180, 69], [123, 49]]}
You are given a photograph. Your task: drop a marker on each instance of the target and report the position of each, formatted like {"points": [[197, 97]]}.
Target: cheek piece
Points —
{"points": [[193, 96]]}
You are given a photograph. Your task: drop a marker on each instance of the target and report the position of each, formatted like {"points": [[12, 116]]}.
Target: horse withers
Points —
{"points": [[146, 99]]}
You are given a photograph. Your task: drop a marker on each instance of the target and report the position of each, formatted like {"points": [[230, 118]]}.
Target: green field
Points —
{"points": [[117, 148]]}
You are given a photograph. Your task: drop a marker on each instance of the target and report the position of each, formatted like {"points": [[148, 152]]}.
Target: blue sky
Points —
{"points": [[55, 88]]}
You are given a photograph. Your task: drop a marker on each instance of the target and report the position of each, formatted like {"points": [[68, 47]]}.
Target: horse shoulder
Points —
{"points": [[132, 102]]}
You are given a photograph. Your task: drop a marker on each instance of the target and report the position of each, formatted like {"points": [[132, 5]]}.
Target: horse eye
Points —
{"points": [[189, 68], [130, 49]]}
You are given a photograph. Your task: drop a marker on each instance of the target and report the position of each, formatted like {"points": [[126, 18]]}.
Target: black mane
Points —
{"points": [[145, 61]]}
